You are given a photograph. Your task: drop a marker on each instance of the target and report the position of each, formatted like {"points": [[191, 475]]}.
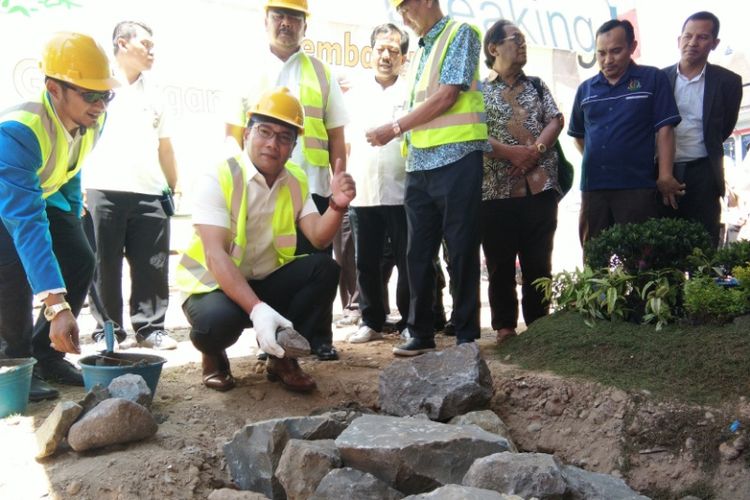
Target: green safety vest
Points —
{"points": [[41, 119], [192, 273], [315, 88], [465, 120]]}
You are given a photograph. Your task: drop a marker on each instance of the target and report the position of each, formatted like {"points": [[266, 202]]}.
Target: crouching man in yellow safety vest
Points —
{"points": [[241, 269]]}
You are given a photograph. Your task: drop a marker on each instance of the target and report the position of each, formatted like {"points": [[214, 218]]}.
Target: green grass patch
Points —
{"points": [[704, 364]]}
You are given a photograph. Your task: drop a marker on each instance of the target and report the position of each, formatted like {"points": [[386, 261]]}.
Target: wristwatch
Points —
{"points": [[51, 311], [541, 147]]}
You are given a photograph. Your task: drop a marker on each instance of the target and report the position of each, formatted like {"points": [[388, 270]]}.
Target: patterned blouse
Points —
{"points": [[516, 116]]}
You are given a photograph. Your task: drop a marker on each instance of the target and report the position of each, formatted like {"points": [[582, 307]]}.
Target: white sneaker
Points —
{"points": [[364, 334], [158, 340]]}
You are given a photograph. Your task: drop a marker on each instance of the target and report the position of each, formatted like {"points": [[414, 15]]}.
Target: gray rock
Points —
{"points": [[96, 395], [229, 494], [414, 455], [303, 464], [51, 433], [294, 344], [487, 420], [348, 483], [440, 384], [254, 451], [455, 491], [523, 474], [112, 421], [131, 387], [585, 485]]}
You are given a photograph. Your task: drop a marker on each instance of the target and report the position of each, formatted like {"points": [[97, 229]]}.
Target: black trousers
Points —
{"points": [[702, 201], [523, 227], [344, 252], [304, 247], [133, 226], [603, 209], [372, 227], [302, 291], [76, 260], [444, 203]]}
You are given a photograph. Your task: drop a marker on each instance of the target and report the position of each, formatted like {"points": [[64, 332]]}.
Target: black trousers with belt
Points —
{"points": [[302, 291], [444, 203], [21, 336], [702, 201]]}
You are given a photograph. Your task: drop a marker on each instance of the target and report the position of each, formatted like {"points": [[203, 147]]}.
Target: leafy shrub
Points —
{"points": [[735, 254], [651, 245], [707, 302]]}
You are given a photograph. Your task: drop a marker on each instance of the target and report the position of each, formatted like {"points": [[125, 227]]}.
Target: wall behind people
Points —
{"points": [[203, 44]]}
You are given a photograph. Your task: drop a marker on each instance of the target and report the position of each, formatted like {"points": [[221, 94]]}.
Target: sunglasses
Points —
{"points": [[91, 96], [266, 133]]}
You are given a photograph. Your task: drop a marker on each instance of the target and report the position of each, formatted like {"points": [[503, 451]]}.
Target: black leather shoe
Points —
{"points": [[60, 371], [326, 352], [41, 390], [414, 347], [449, 329]]}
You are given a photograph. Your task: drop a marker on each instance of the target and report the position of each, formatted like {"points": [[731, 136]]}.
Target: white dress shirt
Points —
{"points": [[689, 143]]}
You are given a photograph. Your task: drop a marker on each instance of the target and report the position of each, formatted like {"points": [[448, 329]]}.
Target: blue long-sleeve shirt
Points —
{"points": [[22, 206]]}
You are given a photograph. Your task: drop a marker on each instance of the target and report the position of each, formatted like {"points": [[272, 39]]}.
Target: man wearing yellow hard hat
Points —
{"points": [[44, 254], [445, 136], [241, 269], [284, 64]]}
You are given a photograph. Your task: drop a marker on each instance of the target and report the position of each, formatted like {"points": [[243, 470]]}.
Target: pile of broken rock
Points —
{"points": [[437, 441], [116, 414]]}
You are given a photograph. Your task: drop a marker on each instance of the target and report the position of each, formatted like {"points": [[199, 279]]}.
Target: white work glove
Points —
{"points": [[266, 321]]}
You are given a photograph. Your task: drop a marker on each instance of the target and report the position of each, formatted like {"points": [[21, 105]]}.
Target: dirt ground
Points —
{"points": [[594, 427], [655, 447]]}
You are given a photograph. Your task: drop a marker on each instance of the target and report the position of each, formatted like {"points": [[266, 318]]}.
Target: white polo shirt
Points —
{"points": [[380, 171], [126, 158], [269, 72], [210, 208]]}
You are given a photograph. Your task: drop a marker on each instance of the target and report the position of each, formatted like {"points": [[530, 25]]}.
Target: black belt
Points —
{"points": [[692, 163]]}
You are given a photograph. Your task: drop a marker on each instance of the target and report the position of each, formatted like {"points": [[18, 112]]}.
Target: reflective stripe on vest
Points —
{"points": [[465, 120], [40, 118], [193, 275], [315, 88]]}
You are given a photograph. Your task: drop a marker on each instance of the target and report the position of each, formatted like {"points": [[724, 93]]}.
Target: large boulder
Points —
{"points": [[585, 485], [353, 484], [304, 463], [456, 491], [487, 420], [254, 451], [524, 474], [112, 421], [441, 384], [415, 455]]}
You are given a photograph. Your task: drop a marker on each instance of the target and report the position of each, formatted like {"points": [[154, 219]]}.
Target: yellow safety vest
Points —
{"points": [[465, 120], [41, 119], [192, 273], [315, 88]]}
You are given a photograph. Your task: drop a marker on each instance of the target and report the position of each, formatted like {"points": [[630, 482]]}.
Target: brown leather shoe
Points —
{"points": [[288, 372], [216, 374], [504, 334]]}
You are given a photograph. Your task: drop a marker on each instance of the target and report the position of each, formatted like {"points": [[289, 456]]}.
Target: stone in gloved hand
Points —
{"points": [[294, 344]]}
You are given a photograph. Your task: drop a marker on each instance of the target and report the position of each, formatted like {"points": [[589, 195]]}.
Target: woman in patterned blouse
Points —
{"points": [[520, 189]]}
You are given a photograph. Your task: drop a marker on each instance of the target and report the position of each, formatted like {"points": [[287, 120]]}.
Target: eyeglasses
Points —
{"points": [[267, 133], [91, 96], [517, 38], [293, 16]]}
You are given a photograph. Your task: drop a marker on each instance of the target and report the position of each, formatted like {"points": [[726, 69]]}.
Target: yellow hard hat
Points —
{"points": [[280, 104], [298, 5], [396, 3], [77, 59]]}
